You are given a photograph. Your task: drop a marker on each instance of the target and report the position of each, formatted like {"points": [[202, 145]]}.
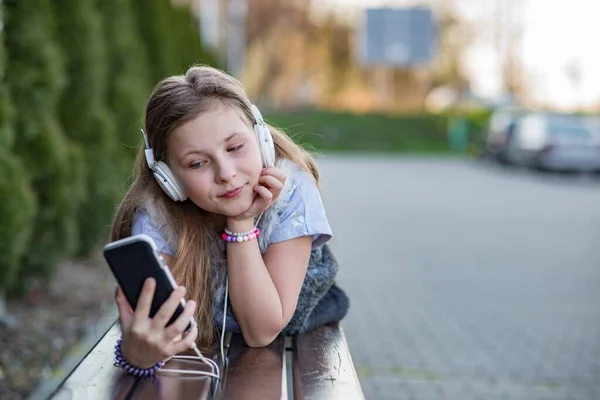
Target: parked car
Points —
{"points": [[500, 131], [556, 142]]}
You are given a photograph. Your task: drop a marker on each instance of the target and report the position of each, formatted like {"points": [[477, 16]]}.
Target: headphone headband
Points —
{"points": [[148, 152], [257, 115]]}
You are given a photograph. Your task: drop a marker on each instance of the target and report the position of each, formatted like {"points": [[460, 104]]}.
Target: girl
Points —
{"points": [[201, 186]]}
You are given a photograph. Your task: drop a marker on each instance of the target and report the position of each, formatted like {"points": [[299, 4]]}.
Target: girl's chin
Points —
{"points": [[234, 210]]}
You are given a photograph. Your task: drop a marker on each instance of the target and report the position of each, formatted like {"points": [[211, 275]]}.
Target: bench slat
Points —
{"points": [[96, 377], [322, 366], [254, 373]]}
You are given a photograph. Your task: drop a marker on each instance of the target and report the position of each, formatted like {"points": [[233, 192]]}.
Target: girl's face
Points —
{"points": [[217, 160]]}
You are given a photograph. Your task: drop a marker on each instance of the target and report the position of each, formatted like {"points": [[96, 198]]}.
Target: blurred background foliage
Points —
{"points": [[74, 77]]}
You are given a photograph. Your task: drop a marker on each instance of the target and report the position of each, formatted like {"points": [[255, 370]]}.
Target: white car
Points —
{"points": [[556, 142], [500, 130]]}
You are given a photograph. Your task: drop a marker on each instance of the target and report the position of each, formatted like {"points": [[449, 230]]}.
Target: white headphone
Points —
{"points": [[173, 188]]}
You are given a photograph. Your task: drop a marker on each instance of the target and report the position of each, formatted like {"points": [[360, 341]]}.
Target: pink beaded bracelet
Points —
{"points": [[240, 237]]}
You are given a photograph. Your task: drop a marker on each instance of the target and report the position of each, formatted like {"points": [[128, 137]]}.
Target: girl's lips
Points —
{"points": [[232, 193]]}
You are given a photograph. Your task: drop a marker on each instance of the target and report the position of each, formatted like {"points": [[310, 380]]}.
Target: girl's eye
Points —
{"points": [[236, 148], [196, 165]]}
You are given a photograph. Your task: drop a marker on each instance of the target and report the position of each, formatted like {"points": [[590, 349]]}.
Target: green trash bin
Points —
{"points": [[458, 134]]}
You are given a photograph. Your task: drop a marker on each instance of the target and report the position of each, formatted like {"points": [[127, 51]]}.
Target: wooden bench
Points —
{"points": [[314, 365]]}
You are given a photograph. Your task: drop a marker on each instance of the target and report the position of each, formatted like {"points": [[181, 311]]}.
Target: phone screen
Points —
{"points": [[132, 261]]}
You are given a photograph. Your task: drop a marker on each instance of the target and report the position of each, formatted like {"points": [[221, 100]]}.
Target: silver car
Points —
{"points": [[556, 142]]}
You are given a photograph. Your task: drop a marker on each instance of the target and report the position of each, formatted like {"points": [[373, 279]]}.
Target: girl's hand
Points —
{"points": [[271, 183], [146, 340]]}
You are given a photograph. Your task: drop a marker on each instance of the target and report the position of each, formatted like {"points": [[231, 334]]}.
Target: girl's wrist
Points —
{"points": [[240, 226], [132, 359], [133, 368]]}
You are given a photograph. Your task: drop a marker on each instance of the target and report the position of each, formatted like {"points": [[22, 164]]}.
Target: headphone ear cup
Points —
{"points": [[263, 135], [265, 142], [168, 182]]}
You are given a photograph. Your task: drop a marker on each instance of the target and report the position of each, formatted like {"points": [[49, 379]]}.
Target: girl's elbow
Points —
{"points": [[257, 342], [262, 337]]}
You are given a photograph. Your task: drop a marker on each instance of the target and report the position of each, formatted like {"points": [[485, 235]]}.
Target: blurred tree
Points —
{"points": [[171, 36], [282, 41], [61, 186], [508, 36], [454, 38], [17, 207], [85, 116], [296, 57], [574, 72], [6, 108], [338, 54], [129, 71], [184, 36], [35, 78], [152, 18], [268, 16]]}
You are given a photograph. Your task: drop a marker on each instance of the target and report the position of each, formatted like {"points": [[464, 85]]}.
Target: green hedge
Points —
{"points": [[74, 77], [18, 204], [35, 79], [171, 36], [345, 131], [129, 85], [85, 116], [16, 213]]}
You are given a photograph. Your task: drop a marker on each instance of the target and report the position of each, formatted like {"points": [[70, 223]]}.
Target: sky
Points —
{"points": [[556, 33]]}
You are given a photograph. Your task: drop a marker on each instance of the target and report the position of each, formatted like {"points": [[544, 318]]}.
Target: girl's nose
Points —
{"points": [[225, 172]]}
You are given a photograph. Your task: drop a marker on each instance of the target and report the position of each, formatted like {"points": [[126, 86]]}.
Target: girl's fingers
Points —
{"points": [[167, 309], [182, 322], [274, 172], [184, 344], [121, 299], [144, 303], [125, 310], [271, 182], [260, 202], [265, 195]]}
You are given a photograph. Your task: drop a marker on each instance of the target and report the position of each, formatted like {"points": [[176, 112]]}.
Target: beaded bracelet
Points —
{"points": [[130, 369], [240, 237]]}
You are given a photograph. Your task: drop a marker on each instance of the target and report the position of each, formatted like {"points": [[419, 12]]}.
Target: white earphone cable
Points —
{"points": [[224, 319], [225, 307], [215, 373], [214, 368]]}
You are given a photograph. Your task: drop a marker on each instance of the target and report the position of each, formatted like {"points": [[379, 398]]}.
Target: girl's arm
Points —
{"points": [[264, 291]]}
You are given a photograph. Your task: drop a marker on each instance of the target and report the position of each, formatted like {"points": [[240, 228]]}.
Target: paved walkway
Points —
{"points": [[467, 281]]}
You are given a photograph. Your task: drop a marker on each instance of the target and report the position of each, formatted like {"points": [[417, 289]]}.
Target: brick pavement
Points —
{"points": [[467, 281]]}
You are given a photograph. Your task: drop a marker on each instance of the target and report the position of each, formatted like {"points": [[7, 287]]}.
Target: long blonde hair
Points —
{"points": [[173, 102]]}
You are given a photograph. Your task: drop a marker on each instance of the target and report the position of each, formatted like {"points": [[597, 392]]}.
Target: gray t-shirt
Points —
{"points": [[304, 215]]}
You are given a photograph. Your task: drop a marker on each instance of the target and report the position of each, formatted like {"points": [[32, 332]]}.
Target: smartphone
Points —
{"points": [[134, 259]]}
